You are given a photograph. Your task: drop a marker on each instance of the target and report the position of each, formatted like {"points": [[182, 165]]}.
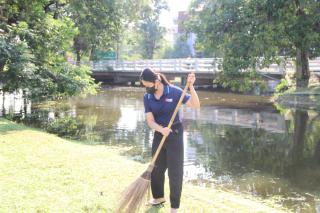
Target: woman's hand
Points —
{"points": [[191, 79], [194, 100], [165, 131]]}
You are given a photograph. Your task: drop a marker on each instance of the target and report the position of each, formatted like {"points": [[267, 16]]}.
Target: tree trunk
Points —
{"points": [[302, 68], [78, 57], [3, 106], [118, 49], [92, 53], [56, 13], [25, 102], [77, 48]]}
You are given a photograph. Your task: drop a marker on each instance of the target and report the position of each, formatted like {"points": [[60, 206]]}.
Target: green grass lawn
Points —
{"points": [[40, 172]]}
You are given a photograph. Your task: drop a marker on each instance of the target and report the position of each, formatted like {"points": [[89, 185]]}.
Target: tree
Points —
{"points": [[16, 66], [252, 32], [35, 38], [181, 49], [149, 29], [98, 23], [101, 23]]}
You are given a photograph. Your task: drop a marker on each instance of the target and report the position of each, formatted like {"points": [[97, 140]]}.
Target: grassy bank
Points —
{"points": [[41, 172]]}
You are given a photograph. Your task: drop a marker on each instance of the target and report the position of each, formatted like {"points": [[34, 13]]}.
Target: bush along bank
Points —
{"points": [[243, 82]]}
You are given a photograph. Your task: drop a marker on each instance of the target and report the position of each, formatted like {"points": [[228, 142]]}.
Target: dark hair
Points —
{"points": [[151, 76]]}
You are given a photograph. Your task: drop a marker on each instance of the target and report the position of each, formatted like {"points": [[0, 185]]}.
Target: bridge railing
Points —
{"points": [[162, 65], [204, 65]]}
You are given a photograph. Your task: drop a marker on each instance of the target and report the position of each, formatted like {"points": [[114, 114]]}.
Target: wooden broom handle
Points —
{"points": [[154, 158]]}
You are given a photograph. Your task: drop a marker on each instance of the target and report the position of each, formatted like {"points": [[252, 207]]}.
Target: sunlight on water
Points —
{"points": [[128, 119]]}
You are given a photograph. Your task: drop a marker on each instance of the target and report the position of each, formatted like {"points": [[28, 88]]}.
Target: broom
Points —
{"points": [[133, 196]]}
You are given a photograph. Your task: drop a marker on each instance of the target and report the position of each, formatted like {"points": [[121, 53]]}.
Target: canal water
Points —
{"points": [[234, 142]]}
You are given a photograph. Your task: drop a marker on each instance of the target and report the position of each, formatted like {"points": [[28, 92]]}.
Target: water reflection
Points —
{"points": [[256, 150]]}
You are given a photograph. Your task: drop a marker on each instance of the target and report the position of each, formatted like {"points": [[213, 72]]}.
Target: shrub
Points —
{"points": [[241, 82], [66, 127], [282, 86]]}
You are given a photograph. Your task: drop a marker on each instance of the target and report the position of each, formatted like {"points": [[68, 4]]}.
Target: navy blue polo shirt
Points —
{"points": [[163, 108]]}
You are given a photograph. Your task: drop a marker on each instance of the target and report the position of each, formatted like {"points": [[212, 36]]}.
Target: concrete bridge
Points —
{"points": [[129, 71], [117, 71]]}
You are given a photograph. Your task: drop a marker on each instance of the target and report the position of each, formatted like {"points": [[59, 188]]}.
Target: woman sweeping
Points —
{"points": [[160, 102]]}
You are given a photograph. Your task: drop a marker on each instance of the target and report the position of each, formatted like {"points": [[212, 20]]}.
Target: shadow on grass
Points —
{"points": [[128, 150], [154, 209], [6, 126]]}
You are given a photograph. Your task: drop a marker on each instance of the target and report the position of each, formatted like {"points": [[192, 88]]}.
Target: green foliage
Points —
{"points": [[128, 46], [16, 63], [149, 31], [98, 23], [241, 82], [179, 50], [162, 51], [36, 37], [253, 33], [65, 127], [143, 37], [102, 24], [282, 86], [283, 110], [34, 41], [69, 80]]}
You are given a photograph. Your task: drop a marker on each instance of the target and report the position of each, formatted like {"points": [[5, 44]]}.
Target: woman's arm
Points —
{"points": [[193, 102], [153, 125]]}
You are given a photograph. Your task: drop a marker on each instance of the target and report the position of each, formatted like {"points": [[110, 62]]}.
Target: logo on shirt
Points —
{"points": [[168, 100]]}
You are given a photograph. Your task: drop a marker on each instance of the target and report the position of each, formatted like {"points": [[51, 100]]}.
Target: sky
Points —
{"points": [[166, 18]]}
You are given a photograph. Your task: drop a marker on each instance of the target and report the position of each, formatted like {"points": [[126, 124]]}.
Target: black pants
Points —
{"points": [[171, 157]]}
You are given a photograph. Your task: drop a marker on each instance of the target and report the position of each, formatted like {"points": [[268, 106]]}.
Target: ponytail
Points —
{"points": [[163, 79], [151, 76]]}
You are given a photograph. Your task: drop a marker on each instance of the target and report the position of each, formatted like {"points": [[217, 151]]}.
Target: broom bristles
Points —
{"points": [[133, 196]]}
